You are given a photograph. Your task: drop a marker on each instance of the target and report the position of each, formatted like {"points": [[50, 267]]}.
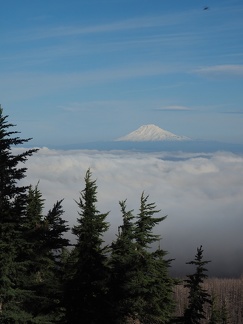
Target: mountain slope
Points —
{"points": [[151, 132]]}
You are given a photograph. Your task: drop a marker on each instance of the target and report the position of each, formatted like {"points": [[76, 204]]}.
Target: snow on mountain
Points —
{"points": [[151, 133]]}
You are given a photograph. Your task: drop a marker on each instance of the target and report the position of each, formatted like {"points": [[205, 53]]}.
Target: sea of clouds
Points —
{"points": [[202, 194]]}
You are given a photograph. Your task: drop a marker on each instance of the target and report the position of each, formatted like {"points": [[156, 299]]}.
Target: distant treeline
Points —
{"points": [[46, 279], [227, 299]]}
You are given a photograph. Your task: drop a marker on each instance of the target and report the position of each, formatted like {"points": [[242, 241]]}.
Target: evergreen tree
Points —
{"points": [[154, 284], [198, 296], [43, 252], [219, 315], [123, 268], [12, 209], [146, 222], [215, 317], [56, 245], [87, 285], [33, 254], [142, 287], [56, 227], [224, 313]]}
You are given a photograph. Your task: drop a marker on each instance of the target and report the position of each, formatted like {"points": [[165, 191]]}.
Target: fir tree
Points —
{"points": [[87, 284], [154, 284], [141, 282], [146, 222], [198, 296], [56, 228], [43, 252], [56, 246], [123, 268], [215, 317], [12, 209], [224, 313]]}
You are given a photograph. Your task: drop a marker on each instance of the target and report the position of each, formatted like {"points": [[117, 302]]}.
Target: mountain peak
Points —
{"points": [[151, 132]]}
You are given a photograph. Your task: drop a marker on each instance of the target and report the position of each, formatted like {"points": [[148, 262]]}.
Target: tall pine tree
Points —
{"points": [[30, 280], [198, 296], [154, 284], [141, 285], [12, 210], [123, 268], [44, 245], [87, 279]]}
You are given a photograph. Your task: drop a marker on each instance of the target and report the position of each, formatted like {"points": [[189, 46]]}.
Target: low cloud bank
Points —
{"points": [[201, 194]]}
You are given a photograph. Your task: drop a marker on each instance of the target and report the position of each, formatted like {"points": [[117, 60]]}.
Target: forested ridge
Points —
{"points": [[46, 279]]}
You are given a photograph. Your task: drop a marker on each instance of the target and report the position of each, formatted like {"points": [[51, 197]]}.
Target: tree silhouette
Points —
{"points": [[198, 296]]}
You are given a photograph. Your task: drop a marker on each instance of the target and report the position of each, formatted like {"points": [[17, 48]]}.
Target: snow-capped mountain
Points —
{"points": [[151, 132]]}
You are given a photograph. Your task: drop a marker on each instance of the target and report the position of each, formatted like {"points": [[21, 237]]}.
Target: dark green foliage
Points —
{"points": [[219, 315], [30, 244], [86, 284], [224, 313], [197, 295], [123, 266], [55, 226], [12, 210], [159, 296], [141, 287], [146, 222], [11, 195], [56, 246], [215, 317], [153, 281], [44, 244]]}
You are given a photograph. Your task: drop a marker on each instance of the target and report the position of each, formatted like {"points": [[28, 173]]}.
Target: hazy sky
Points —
{"points": [[84, 70]]}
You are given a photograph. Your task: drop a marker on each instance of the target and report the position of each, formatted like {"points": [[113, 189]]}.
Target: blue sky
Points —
{"points": [[76, 71]]}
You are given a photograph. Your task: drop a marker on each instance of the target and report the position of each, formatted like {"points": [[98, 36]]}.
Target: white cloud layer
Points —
{"points": [[200, 193]]}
